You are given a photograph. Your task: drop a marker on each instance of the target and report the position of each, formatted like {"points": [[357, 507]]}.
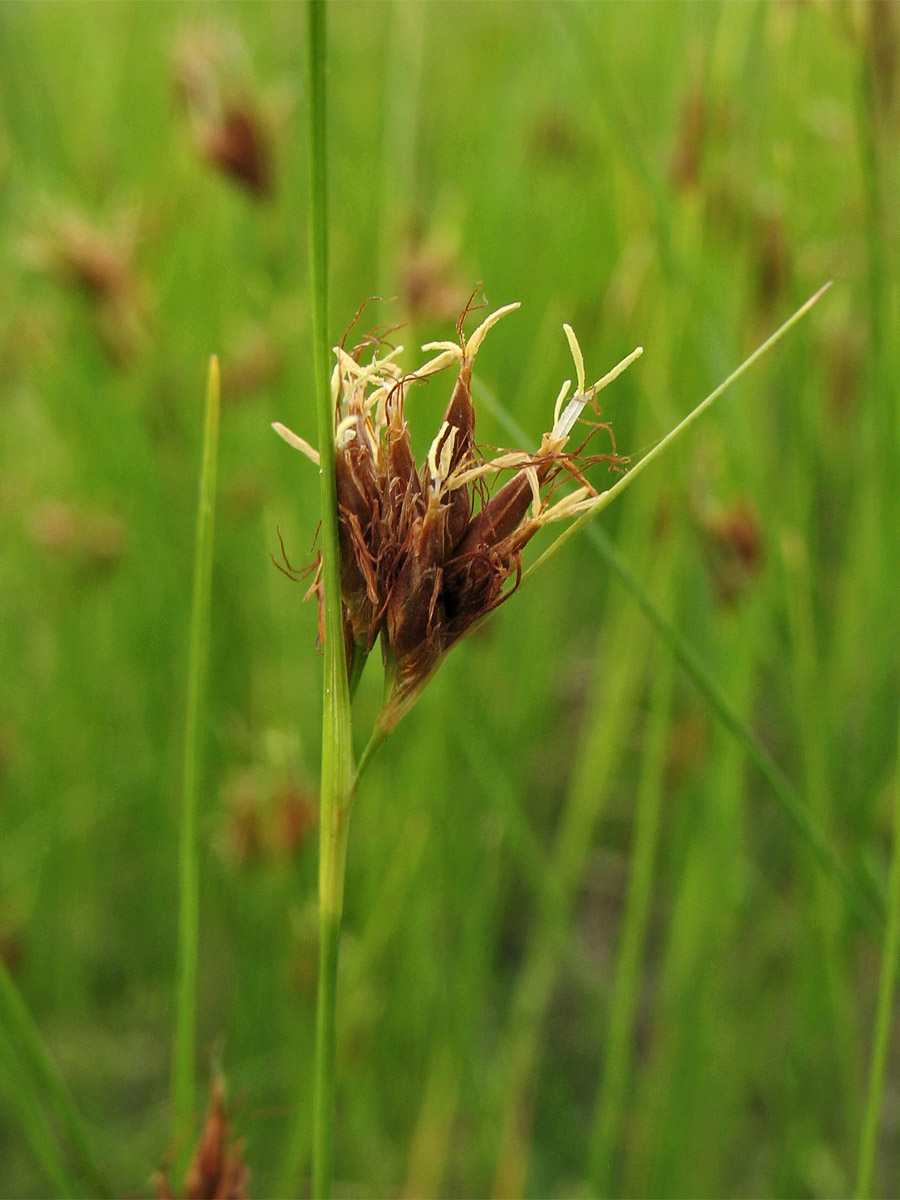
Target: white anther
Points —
{"points": [[557, 408], [566, 423], [346, 430], [441, 469]]}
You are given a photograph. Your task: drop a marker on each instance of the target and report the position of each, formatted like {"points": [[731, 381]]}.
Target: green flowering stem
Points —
{"points": [[799, 814], [185, 1036], [607, 497], [337, 746]]}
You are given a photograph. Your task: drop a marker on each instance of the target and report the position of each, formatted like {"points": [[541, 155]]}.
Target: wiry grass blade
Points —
{"points": [[184, 1045]]}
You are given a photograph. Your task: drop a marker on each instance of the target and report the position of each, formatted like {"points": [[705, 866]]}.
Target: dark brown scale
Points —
{"points": [[359, 535], [502, 514], [414, 609], [403, 500]]}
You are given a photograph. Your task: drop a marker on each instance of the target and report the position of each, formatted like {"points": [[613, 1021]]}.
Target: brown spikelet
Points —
{"points": [[217, 1170]]}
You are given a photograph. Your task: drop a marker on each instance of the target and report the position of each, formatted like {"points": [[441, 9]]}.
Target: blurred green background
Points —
{"points": [[585, 951]]}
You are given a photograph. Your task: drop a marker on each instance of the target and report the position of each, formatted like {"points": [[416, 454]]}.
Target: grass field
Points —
{"points": [[587, 950]]}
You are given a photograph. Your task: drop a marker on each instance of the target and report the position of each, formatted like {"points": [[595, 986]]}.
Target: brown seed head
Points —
{"points": [[426, 552]]}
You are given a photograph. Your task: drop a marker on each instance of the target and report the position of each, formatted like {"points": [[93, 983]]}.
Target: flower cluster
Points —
{"points": [[428, 551]]}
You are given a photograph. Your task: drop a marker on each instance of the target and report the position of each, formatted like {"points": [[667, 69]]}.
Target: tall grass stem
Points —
{"points": [[185, 1035], [337, 747]]}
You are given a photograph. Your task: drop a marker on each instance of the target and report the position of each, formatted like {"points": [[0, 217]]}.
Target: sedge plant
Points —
{"points": [[414, 556]]}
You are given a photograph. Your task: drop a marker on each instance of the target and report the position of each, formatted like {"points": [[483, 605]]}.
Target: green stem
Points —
{"points": [[185, 1036], [884, 1018], [337, 747]]}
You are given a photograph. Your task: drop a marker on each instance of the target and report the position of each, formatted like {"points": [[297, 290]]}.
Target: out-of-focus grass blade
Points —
{"points": [[35, 1122], [28, 1049], [883, 1022]]}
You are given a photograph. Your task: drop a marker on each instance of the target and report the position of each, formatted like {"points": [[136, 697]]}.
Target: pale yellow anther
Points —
{"points": [[569, 506], [296, 441], [513, 460], [478, 336], [349, 367], [577, 355], [376, 399], [532, 477], [617, 369], [443, 360]]}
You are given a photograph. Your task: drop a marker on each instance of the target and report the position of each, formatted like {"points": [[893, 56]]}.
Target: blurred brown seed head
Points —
{"points": [[884, 53], [99, 263], [297, 816], [266, 817], [773, 259], [217, 1170], [430, 285], [213, 86], [92, 539], [257, 361], [239, 146], [12, 948], [734, 549], [78, 253], [684, 165]]}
